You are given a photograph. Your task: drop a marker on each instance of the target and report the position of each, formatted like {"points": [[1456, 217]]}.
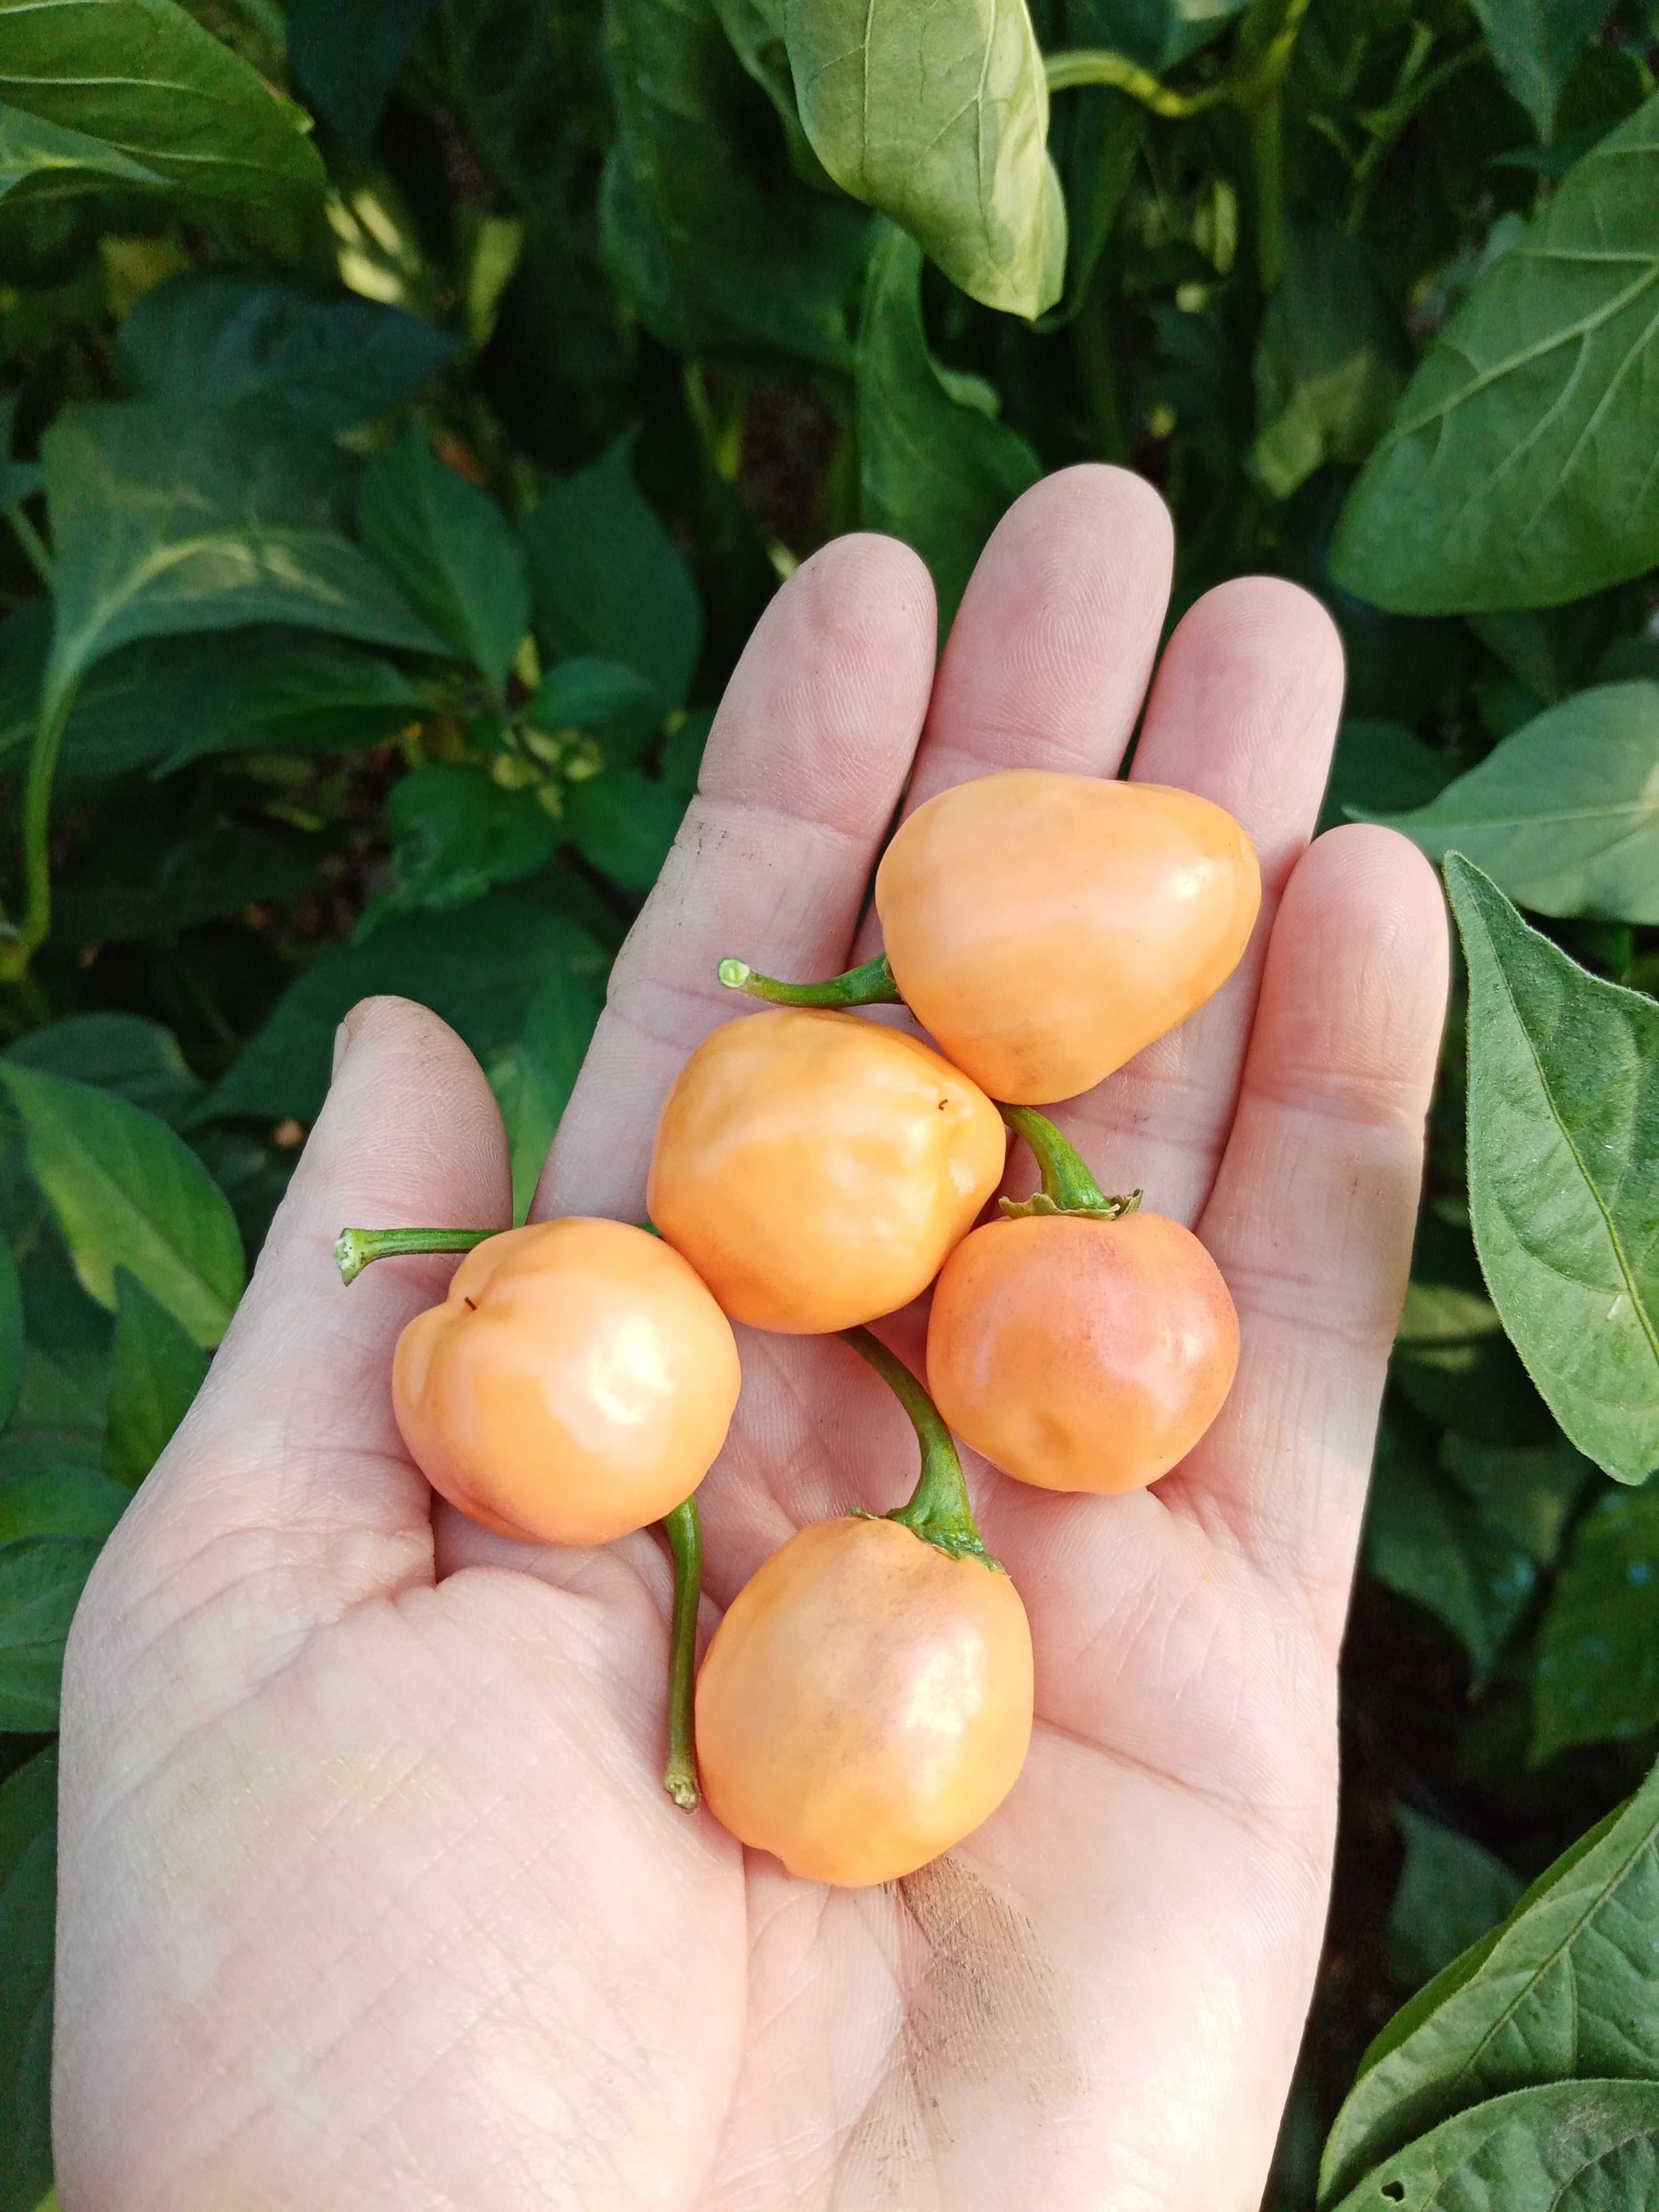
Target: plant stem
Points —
{"points": [[1067, 1185], [49, 729], [33, 544], [938, 1510], [1094, 65], [355, 1249], [685, 1535], [872, 985]]}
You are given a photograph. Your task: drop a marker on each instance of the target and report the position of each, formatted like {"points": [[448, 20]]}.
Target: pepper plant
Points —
{"points": [[405, 411]]}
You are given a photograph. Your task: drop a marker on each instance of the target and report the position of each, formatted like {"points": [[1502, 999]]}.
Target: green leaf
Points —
{"points": [[1452, 1892], [123, 1053], [1570, 2147], [606, 581], [41, 1583], [28, 1891], [479, 967], [1536, 44], [203, 520], [623, 824], [1427, 1542], [605, 695], [150, 94], [1380, 767], [1451, 1358], [938, 117], [1563, 1174], [157, 1368], [1331, 360], [457, 834], [61, 1501], [218, 339], [1562, 1992], [127, 1193], [533, 1078], [1518, 470], [1596, 1676], [1528, 1490], [718, 248], [933, 469], [219, 868], [446, 543], [11, 1332], [1563, 816], [344, 59], [307, 696]]}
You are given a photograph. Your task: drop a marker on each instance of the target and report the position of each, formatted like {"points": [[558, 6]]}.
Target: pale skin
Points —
{"points": [[371, 1894]]}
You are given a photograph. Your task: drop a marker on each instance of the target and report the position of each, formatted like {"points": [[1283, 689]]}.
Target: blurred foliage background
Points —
{"points": [[406, 410]]}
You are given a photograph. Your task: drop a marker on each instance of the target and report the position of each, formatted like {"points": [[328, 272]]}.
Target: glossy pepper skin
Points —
{"points": [[1043, 928], [815, 1168], [576, 1383], [1082, 1355], [865, 1702]]}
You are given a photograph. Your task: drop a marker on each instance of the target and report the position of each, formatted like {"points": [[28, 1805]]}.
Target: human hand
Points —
{"points": [[370, 1892]]}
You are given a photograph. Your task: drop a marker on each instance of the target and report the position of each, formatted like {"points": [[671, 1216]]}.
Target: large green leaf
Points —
{"points": [[1563, 1174], [344, 59], [480, 968], [623, 823], [28, 1889], [61, 1501], [718, 248], [156, 1368], [935, 466], [1452, 1892], [1331, 362], [151, 95], [41, 1583], [607, 582], [1536, 44], [1528, 1490], [1570, 2147], [457, 834], [938, 117], [1518, 473], [118, 1052], [446, 543], [133, 888], [1380, 767], [127, 1193], [1596, 1676], [1563, 1992], [1425, 1542], [1563, 816], [202, 520], [217, 338]]}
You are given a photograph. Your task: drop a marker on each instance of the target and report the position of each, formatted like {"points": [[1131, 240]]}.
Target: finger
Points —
{"points": [[292, 1443], [1313, 1210], [804, 768], [1244, 712], [1048, 656]]}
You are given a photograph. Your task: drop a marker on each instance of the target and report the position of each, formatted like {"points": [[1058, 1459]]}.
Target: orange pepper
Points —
{"points": [[576, 1383], [815, 1168], [1045, 928], [1082, 1345]]}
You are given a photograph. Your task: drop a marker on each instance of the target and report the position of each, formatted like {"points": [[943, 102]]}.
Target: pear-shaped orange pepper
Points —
{"points": [[866, 1701], [1082, 1344], [815, 1168], [1045, 928]]}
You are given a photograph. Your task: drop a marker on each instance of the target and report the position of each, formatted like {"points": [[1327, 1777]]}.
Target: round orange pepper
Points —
{"points": [[576, 1383], [1045, 928], [815, 1168], [1086, 1349], [865, 1702]]}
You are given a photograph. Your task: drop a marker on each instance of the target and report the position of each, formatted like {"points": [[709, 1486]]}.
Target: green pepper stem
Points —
{"points": [[938, 1511], [685, 1535], [1067, 1185], [355, 1248], [872, 985]]}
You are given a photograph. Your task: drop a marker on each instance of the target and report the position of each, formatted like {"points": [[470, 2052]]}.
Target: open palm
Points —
{"points": [[371, 1896]]}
